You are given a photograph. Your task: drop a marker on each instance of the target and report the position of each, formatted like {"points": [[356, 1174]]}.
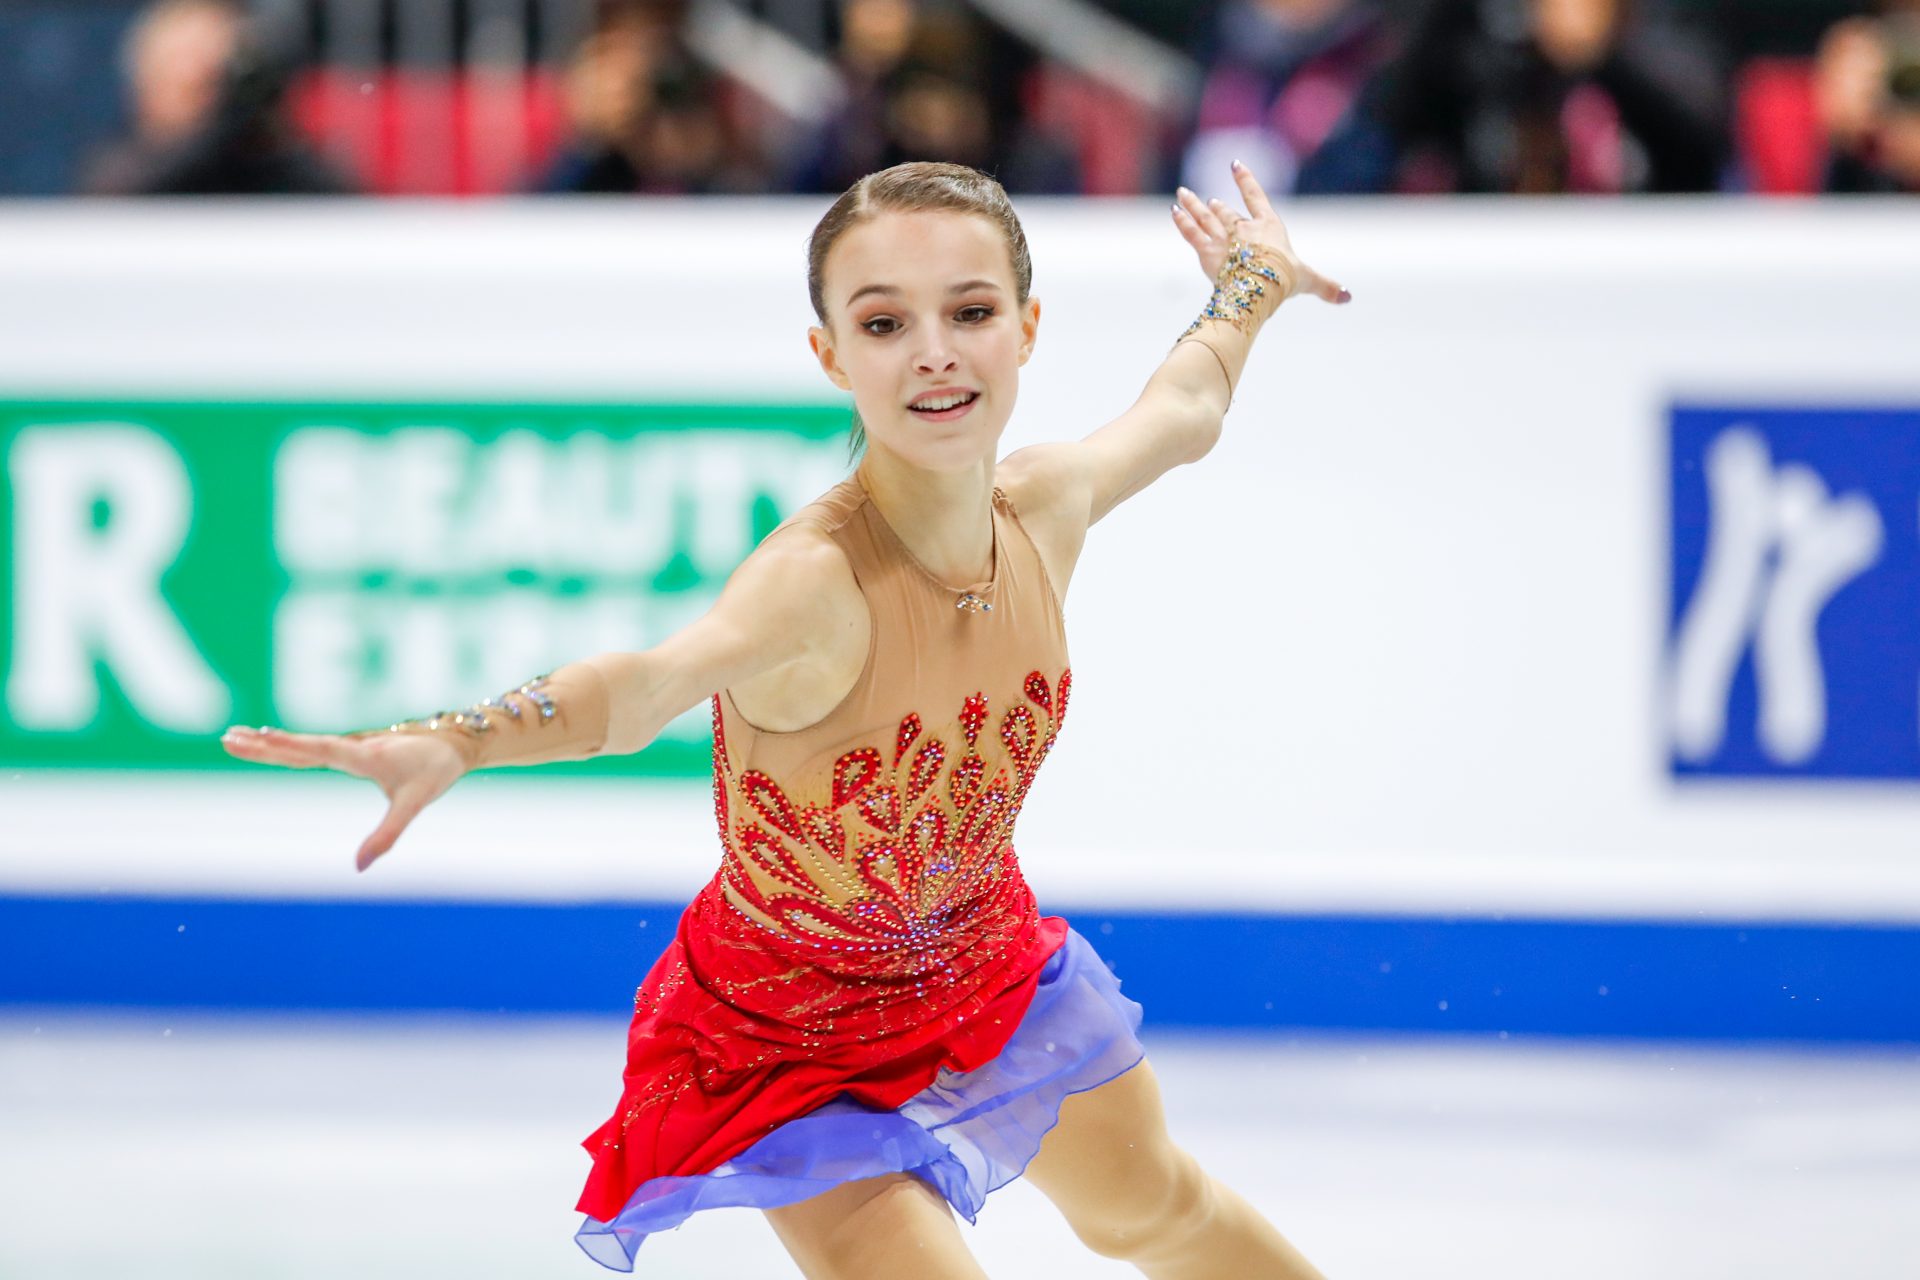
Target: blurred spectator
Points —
{"points": [[1535, 96], [645, 117], [1281, 74], [1584, 96], [929, 116], [914, 91], [1867, 96], [207, 95], [875, 37]]}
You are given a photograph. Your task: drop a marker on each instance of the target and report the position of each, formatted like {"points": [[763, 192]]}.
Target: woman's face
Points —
{"points": [[925, 328]]}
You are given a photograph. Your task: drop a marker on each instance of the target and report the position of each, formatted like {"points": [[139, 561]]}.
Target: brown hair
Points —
{"points": [[917, 187]]}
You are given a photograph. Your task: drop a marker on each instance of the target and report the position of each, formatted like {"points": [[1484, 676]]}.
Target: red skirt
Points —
{"points": [[738, 1029]]}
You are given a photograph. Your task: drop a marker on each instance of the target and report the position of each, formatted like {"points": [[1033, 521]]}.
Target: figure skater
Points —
{"points": [[863, 1023]]}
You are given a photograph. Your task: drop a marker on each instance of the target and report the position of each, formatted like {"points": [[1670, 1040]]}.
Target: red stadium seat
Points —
{"points": [[1776, 128], [414, 132]]}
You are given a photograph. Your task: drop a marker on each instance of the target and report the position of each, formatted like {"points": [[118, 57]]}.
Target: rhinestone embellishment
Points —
{"points": [[473, 719], [1240, 284], [890, 859]]}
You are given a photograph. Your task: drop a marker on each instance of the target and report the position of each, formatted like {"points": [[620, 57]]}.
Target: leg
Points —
{"points": [[1129, 1193], [875, 1229]]}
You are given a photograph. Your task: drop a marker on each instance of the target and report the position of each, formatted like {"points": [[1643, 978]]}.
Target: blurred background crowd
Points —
{"points": [[1095, 97]]}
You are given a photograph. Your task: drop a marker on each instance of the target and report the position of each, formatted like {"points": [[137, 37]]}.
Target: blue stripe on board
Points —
{"points": [[1247, 972]]}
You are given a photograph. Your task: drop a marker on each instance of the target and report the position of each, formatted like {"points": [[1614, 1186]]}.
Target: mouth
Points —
{"points": [[944, 406]]}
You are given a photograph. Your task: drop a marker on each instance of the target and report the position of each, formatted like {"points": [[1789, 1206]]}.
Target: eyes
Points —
{"points": [[976, 314]]}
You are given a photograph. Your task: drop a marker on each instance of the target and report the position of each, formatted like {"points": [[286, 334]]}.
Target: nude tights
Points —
{"points": [[1126, 1190]]}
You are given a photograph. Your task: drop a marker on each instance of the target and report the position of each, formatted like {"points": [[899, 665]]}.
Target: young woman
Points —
{"points": [[863, 1022]]}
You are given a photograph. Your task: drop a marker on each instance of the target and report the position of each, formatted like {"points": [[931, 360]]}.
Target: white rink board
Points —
{"points": [[1395, 645]]}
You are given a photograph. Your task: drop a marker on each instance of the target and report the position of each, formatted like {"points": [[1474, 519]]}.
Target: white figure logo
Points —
{"points": [[1778, 548]]}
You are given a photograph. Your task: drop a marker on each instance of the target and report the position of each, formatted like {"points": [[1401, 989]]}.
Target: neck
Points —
{"points": [[945, 518]]}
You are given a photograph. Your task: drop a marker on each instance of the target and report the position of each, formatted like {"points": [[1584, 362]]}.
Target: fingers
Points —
{"points": [[1252, 193], [404, 808], [1190, 230], [1206, 216], [320, 750], [1226, 215], [277, 746], [347, 753]]}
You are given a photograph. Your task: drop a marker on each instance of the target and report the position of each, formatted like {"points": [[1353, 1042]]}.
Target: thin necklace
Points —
{"points": [[968, 601]]}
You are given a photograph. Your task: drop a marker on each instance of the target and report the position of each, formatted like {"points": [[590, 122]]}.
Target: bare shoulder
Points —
{"points": [[808, 588], [1049, 485], [801, 576]]}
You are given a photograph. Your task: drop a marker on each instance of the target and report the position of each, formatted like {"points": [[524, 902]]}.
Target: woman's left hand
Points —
{"points": [[1211, 225]]}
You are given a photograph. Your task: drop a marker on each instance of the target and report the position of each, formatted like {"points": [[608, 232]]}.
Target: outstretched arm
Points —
{"points": [[771, 613], [1178, 416]]}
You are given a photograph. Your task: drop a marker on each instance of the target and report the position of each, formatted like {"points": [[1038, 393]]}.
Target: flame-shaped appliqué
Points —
{"points": [[892, 857]]}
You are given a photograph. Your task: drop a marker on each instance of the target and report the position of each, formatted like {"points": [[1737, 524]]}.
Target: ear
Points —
{"points": [[1029, 328], [822, 343]]}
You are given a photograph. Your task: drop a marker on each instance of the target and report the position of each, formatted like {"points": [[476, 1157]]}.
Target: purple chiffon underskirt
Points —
{"points": [[966, 1134]]}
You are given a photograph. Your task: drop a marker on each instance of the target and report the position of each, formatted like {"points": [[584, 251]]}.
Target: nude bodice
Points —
{"points": [[891, 819]]}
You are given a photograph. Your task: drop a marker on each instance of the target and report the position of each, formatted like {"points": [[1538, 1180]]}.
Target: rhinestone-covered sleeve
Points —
{"points": [[1251, 284], [561, 716]]}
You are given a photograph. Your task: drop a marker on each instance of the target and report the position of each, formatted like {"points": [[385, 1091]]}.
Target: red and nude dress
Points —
{"points": [[866, 986]]}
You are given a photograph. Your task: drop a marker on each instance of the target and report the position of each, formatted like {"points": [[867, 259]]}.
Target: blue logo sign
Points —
{"points": [[1794, 627]]}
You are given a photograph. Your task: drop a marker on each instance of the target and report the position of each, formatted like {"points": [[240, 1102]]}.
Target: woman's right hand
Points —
{"points": [[411, 769]]}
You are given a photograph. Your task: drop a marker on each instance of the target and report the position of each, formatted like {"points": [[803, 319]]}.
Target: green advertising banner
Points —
{"points": [[173, 568]]}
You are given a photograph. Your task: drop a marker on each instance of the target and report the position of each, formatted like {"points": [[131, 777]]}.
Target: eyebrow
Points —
{"points": [[965, 286]]}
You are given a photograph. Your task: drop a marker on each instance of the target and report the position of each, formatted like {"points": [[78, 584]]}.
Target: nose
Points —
{"points": [[936, 358]]}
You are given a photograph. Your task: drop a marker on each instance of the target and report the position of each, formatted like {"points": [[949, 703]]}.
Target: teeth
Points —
{"points": [[938, 403]]}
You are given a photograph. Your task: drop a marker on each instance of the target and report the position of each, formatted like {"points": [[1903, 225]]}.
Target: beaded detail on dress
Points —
{"points": [[902, 868], [868, 925], [882, 855]]}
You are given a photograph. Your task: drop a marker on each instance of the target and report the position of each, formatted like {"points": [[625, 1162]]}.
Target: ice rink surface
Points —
{"points": [[192, 1147]]}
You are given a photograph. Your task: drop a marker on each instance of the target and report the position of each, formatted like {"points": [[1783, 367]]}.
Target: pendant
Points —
{"points": [[971, 603]]}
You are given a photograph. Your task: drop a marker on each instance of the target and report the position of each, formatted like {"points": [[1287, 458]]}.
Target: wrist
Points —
{"points": [[1252, 282], [562, 716]]}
